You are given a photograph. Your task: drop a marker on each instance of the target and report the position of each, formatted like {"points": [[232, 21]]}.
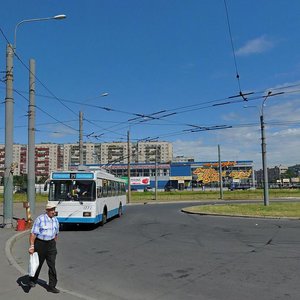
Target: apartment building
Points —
{"points": [[154, 151], [50, 156], [70, 154], [141, 152], [46, 159], [110, 153], [274, 174]]}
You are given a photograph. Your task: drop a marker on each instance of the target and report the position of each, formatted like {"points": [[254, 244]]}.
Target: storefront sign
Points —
{"points": [[178, 178]]}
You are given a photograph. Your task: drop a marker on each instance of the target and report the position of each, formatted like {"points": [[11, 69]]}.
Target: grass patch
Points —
{"points": [[212, 195], [19, 198], [286, 209], [140, 197]]}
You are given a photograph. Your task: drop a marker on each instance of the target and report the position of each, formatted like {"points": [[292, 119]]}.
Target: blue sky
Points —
{"points": [[173, 57]]}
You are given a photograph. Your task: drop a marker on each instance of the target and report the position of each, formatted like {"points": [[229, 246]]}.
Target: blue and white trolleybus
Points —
{"points": [[89, 196]]}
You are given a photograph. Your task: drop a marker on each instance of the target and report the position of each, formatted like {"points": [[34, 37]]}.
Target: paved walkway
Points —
{"points": [[13, 277]]}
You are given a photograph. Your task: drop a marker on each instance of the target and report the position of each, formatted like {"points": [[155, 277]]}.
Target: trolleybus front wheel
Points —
{"points": [[104, 217], [120, 210]]}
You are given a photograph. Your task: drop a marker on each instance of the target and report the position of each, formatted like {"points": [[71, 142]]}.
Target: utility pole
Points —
{"points": [[220, 173], [156, 172], [80, 139], [9, 124], [128, 167], [31, 138], [264, 160], [253, 177]]}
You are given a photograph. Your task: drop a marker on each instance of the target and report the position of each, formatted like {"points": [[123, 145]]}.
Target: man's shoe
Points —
{"points": [[31, 284], [53, 290]]}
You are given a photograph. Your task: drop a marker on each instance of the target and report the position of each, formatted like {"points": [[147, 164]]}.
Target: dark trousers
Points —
{"points": [[46, 251]]}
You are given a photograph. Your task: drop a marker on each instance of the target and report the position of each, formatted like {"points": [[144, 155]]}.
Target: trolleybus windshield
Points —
{"points": [[72, 190]]}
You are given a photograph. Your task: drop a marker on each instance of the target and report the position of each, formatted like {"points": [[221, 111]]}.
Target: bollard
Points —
{"points": [[28, 215]]}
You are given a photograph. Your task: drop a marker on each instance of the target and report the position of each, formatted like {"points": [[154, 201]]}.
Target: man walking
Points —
{"points": [[42, 240]]}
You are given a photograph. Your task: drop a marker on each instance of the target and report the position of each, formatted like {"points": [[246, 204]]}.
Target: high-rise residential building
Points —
{"points": [[70, 154], [141, 152], [154, 151], [50, 156], [182, 158], [112, 153]]}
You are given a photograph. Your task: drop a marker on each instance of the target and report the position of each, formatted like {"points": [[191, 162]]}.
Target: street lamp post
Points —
{"points": [[264, 152], [264, 147], [8, 165], [57, 17], [9, 115]]}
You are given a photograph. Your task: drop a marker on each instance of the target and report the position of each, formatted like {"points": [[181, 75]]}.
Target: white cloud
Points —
{"points": [[232, 116], [258, 45], [287, 133]]}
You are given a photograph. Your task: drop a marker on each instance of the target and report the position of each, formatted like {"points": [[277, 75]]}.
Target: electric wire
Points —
{"points": [[142, 118], [232, 46]]}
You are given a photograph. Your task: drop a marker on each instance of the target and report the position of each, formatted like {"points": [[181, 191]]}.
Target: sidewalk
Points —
{"points": [[13, 277]]}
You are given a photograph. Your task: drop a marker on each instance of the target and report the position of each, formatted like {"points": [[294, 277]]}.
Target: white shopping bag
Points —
{"points": [[33, 264]]}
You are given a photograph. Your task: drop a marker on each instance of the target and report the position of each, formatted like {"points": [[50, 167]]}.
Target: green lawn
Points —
{"points": [[275, 209], [212, 195], [140, 197], [23, 198]]}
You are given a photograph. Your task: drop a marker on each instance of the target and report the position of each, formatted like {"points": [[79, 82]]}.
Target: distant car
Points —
{"points": [[147, 189], [169, 189], [240, 187]]}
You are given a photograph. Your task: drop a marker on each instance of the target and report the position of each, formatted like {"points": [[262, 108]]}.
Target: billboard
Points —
{"points": [[139, 180]]}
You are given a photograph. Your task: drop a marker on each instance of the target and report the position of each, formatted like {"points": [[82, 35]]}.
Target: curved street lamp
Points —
{"points": [[57, 17], [264, 151], [264, 146], [9, 115]]}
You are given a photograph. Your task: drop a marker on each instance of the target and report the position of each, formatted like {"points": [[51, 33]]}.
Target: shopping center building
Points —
{"points": [[185, 175]]}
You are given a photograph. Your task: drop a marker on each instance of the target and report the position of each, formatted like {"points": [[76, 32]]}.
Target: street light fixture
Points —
{"points": [[264, 146], [9, 115], [264, 151], [57, 17]]}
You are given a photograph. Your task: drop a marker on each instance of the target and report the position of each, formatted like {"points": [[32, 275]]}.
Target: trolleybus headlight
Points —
{"points": [[87, 214]]}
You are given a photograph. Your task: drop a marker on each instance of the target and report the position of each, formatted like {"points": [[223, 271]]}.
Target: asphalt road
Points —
{"points": [[158, 252]]}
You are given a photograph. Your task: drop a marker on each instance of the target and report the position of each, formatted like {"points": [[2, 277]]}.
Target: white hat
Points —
{"points": [[50, 205]]}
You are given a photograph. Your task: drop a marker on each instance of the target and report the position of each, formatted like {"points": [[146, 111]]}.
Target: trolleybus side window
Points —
{"points": [[104, 188], [99, 192], [113, 188]]}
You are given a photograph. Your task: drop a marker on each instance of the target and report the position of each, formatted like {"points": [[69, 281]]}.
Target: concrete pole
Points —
{"points": [[31, 138], [156, 185], [253, 177], [9, 125], [264, 161], [80, 139], [128, 167], [220, 173]]}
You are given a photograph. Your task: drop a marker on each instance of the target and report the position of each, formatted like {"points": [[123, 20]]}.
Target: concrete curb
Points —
{"points": [[8, 247], [237, 216]]}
